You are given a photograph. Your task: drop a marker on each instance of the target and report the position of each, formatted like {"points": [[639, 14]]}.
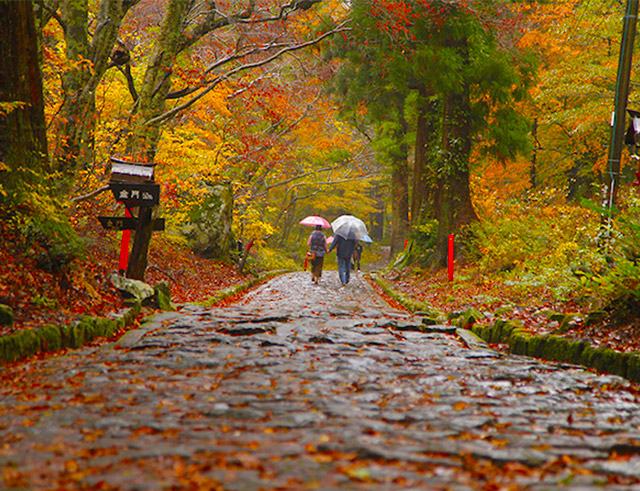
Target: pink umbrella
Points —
{"points": [[314, 220]]}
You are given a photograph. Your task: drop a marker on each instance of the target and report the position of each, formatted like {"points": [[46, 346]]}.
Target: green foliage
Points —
{"points": [[38, 218], [618, 285], [424, 241], [536, 242], [44, 301], [268, 259], [52, 241], [629, 228]]}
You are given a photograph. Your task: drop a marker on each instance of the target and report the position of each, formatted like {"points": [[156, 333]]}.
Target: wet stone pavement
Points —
{"points": [[310, 387]]}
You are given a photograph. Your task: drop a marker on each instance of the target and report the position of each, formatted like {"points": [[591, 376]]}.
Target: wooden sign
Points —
{"points": [[136, 194], [128, 223], [122, 171]]}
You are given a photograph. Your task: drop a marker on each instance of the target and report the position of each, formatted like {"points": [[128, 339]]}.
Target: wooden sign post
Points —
{"points": [[132, 184]]}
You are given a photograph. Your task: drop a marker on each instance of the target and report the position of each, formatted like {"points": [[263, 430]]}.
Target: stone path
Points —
{"points": [[310, 387]]}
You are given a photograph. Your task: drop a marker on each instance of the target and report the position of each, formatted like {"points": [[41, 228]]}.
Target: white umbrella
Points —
{"points": [[349, 227]]}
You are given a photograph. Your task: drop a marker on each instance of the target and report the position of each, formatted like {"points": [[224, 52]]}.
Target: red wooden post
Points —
{"points": [[450, 257], [124, 245]]}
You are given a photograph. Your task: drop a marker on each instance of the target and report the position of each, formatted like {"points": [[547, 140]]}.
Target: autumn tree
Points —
{"points": [[464, 87], [23, 142], [30, 207], [200, 44], [574, 97], [377, 106], [91, 48]]}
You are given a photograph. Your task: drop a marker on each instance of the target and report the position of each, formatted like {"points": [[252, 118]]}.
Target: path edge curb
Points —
{"points": [[549, 347], [51, 338]]}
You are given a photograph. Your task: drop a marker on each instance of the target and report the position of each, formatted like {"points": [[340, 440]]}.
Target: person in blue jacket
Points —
{"points": [[345, 248]]}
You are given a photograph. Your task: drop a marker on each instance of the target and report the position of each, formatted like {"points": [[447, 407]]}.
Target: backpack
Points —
{"points": [[318, 243]]}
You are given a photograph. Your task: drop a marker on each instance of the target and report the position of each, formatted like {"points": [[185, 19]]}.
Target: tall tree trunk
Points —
{"points": [[533, 176], [23, 141], [289, 216], [90, 59], [423, 190], [144, 137], [454, 208], [418, 187], [400, 188], [376, 219]]}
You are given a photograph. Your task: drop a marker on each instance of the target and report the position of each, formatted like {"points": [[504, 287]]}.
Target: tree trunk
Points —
{"points": [[423, 166], [143, 140], [140, 249], [454, 208], [90, 59], [400, 189], [376, 219], [533, 177], [23, 141], [144, 137], [289, 216]]}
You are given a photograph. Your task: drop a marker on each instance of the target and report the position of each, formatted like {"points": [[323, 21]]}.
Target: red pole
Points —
{"points": [[124, 245], [450, 257]]}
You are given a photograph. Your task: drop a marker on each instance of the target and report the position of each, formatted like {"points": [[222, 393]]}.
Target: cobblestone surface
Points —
{"points": [[310, 387]]}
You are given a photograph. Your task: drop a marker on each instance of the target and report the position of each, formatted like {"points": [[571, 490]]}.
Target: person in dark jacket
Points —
{"points": [[345, 248], [317, 243]]}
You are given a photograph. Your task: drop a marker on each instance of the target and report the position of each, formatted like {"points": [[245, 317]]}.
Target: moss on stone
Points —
{"points": [[558, 348], [555, 348], [605, 360], [162, 297], [519, 341], [574, 350], [20, 345], [467, 318], [587, 356], [6, 315], [633, 367], [50, 338], [536, 346], [485, 332]]}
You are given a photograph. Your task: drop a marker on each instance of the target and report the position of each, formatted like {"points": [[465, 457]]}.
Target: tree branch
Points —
{"points": [[294, 178], [90, 195], [126, 71], [211, 85]]}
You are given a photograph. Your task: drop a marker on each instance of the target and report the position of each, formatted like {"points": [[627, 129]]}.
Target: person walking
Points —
{"points": [[317, 243], [345, 248]]}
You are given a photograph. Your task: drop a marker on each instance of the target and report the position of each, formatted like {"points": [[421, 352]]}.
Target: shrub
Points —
{"points": [[53, 242], [268, 259], [37, 217], [540, 242]]}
